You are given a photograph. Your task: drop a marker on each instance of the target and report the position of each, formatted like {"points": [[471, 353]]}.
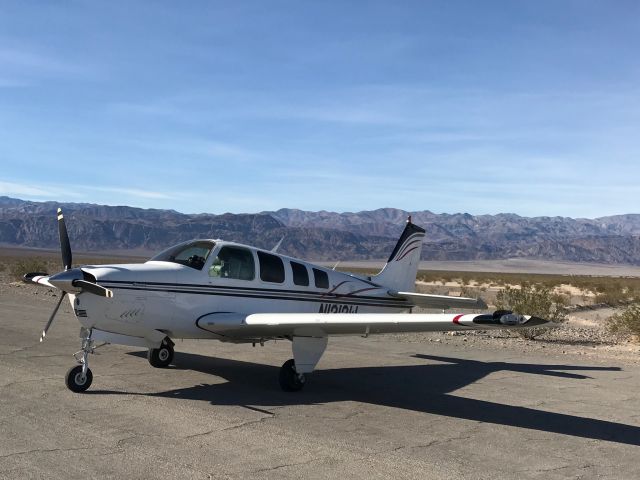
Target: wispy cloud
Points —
{"points": [[8, 82], [31, 190], [75, 191], [210, 149], [24, 65], [131, 192]]}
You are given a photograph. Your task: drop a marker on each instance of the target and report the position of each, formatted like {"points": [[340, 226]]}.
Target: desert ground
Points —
{"points": [[423, 406]]}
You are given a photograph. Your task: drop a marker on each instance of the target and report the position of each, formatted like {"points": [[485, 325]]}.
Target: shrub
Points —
{"points": [[626, 322], [536, 300], [614, 294], [18, 268]]}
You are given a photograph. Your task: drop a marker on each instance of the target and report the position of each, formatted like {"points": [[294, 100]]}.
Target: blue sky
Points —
{"points": [[452, 106]]}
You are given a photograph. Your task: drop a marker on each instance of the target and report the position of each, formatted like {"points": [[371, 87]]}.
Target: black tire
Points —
{"points": [[290, 381], [75, 381], [161, 357]]}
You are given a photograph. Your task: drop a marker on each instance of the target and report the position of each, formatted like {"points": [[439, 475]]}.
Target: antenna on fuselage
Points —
{"points": [[275, 249]]}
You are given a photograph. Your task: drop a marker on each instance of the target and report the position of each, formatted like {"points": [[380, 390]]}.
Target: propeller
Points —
{"points": [[53, 315], [71, 280], [65, 245], [94, 288]]}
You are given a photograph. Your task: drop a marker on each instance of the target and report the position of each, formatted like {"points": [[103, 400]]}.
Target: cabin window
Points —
{"points": [[233, 262], [321, 278], [271, 268], [191, 254], [300, 274]]}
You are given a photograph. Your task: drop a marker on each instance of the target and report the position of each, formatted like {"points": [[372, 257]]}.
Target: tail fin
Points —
{"points": [[400, 271]]}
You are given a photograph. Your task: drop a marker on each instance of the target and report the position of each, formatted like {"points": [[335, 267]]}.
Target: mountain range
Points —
{"points": [[328, 235]]}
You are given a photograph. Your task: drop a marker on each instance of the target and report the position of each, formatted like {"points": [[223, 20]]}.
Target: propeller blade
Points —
{"points": [[53, 315], [65, 245], [94, 288]]}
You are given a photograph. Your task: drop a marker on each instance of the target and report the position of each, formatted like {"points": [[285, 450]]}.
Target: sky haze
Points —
{"points": [[204, 106]]}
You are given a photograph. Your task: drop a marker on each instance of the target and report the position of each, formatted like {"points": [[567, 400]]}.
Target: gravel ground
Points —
{"points": [[584, 333], [464, 406]]}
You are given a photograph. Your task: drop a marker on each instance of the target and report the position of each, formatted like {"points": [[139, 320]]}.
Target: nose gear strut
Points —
{"points": [[79, 378]]}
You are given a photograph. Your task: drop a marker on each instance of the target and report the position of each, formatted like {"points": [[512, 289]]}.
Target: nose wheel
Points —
{"points": [[163, 356], [78, 381], [290, 379], [79, 378]]}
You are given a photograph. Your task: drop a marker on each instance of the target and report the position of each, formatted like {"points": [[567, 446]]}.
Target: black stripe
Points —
{"points": [[208, 285], [409, 230], [176, 287], [407, 248], [365, 303]]}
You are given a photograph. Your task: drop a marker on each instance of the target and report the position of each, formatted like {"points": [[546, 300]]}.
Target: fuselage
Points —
{"points": [[182, 288]]}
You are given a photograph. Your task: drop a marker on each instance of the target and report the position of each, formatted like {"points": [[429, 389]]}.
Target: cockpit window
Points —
{"points": [[193, 254], [233, 262]]}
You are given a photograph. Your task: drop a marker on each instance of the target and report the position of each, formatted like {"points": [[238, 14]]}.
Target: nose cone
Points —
{"points": [[64, 280]]}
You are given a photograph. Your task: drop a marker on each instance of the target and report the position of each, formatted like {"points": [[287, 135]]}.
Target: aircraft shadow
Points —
{"points": [[421, 388]]}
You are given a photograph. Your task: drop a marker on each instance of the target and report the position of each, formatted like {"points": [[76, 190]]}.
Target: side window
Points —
{"points": [[300, 274], [271, 268], [321, 278], [233, 262]]}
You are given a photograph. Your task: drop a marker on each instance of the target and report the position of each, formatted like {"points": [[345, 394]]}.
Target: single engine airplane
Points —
{"points": [[219, 290]]}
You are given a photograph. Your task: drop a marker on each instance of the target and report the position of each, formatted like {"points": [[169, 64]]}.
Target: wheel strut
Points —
{"points": [[79, 378]]}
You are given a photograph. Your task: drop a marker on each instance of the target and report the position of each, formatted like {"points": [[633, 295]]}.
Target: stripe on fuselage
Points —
{"points": [[264, 293]]}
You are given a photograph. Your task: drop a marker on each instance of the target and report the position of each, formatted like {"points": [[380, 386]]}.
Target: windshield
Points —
{"points": [[193, 254]]}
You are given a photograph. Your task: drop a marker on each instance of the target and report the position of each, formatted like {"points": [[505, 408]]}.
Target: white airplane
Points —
{"points": [[218, 290]]}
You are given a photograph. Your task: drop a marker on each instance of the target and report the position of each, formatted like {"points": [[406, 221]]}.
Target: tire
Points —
{"points": [[74, 379], [289, 379], [161, 357]]}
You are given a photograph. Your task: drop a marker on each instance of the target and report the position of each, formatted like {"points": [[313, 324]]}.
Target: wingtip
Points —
{"points": [[537, 321]]}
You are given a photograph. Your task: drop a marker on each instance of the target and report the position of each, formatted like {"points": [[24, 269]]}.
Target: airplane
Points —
{"points": [[226, 291]]}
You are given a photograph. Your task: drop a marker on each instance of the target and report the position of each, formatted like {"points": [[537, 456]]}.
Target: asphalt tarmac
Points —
{"points": [[375, 408]]}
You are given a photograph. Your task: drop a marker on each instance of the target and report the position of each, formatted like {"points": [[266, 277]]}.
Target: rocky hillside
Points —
{"points": [[329, 235], [463, 236]]}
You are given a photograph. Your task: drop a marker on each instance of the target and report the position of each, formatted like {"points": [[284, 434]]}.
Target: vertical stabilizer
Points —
{"points": [[400, 271]]}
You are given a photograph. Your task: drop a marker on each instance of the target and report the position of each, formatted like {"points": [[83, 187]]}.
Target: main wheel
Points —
{"points": [[76, 381], [290, 379], [161, 357]]}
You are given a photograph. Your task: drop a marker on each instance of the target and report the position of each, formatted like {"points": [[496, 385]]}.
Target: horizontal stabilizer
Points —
{"points": [[424, 300]]}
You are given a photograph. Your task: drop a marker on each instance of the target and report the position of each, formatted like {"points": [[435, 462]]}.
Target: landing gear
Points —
{"points": [[290, 379], [77, 381], [163, 356], [306, 354], [79, 378]]}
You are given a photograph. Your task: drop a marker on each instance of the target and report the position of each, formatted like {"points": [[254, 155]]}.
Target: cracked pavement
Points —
{"points": [[375, 408]]}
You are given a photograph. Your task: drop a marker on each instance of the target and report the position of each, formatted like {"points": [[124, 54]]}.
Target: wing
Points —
{"points": [[440, 301], [284, 324]]}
